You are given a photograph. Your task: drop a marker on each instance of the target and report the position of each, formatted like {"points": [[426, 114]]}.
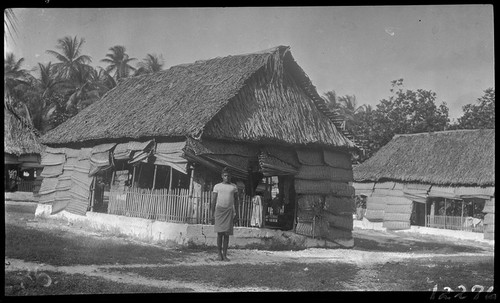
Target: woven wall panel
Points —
{"points": [[489, 219], [339, 205], [340, 222], [332, 234], [399, 209], [397, 217], [308, 202], [336, 159], [310, 156], [308, 172], [323, 188], [305, 215], [374, 215], [396, 225]]}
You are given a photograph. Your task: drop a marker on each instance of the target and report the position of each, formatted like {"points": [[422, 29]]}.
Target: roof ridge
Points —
{"points": [[442, 132]]}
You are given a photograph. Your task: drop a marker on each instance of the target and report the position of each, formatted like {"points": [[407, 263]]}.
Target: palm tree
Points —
{"points": [[10, 22], [331, 100], [15, 77], [118, 61], [70, 59], [150, 64]]}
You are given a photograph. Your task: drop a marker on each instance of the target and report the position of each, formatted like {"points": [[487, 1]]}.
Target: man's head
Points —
{"points": [[226, 175]]}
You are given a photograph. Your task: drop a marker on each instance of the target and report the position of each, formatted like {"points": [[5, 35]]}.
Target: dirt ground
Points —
{"points": [[371, 248]]}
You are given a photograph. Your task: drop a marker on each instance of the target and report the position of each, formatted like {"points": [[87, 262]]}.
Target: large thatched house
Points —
{"points": [[167, 136], [22, 151], [442, 180]]}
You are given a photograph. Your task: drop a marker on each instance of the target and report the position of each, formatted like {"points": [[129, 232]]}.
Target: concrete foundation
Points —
{"points": [[190, 234], [447, 233]]}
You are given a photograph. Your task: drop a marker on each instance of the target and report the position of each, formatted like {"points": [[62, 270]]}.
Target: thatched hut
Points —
{"points": [[22, 151], [442, 179], [170, 133]]}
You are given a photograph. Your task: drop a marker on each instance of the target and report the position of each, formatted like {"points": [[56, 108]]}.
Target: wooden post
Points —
{"points": [[190, 193], [462, 216], [425, 212], [112, 178], [133, 177], [139, 176], [92, 190], [154, 177], [445, 212], [170, 183]]}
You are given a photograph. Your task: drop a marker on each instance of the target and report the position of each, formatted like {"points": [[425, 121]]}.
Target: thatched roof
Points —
{"points": [[19, 135], [460, 157], [207, 99]]}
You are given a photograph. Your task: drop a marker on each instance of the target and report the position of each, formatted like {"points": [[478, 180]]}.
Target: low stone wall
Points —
{"points": [[190, 234]]}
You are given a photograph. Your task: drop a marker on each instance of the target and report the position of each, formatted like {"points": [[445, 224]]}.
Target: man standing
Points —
{"points": [[224, 210]]}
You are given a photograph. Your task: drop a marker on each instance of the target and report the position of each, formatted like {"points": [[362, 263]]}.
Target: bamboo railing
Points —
{"points": [[454, 223], [25, 186], [176, 205]]}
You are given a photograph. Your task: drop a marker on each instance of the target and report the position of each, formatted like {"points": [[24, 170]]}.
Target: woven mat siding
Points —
{"points": [[489, 219], [84, 153], [384, 185], [398, 209], [323, 172], [396, 225], [374, 215], [388, 192], [308, 229], [58, 206], [337, 159], [310, 157], [323, 187], [397, 217], [397, 201], [490, 228], [309, 202], [305, 215], [489, 206], [375, 200], [332, 234], [489, 235], [340, 222], [339, 205], [52, 159]]}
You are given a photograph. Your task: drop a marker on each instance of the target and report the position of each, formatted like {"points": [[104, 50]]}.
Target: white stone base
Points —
{"points": [[188, 234]]}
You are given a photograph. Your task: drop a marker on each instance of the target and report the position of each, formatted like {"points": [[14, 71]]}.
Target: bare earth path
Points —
{"points": [[364, 258]]}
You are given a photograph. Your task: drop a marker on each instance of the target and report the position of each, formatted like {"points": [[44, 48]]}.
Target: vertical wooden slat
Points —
{"points": [[154, 176]]}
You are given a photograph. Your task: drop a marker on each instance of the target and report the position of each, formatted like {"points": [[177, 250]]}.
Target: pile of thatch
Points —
{"points": [[325, 198], [20, 137], [461, 157], [258, 97], [66, 183]]}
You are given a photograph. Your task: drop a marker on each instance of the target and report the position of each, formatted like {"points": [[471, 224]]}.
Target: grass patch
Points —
{"points": [[417, 275], [68, 284], [399, 245], [58, 247], [285, 276]]}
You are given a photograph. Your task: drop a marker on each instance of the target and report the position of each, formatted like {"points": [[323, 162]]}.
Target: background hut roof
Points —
{"points": [[181, 101], [460, 157], [19, 136]]}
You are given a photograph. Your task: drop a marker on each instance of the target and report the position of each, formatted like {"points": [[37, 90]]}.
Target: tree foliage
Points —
{"points": [[481, 114]]}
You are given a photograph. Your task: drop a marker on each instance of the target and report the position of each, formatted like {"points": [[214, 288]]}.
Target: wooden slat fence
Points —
{"points": [[25, 186], [174, 206], [454, 223]]}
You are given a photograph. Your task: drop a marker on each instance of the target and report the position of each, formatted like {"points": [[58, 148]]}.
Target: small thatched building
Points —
{"points": [[258, 114], [22, 150], [442, 179]]}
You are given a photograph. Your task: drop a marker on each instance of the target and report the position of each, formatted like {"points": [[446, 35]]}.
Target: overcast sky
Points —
{"points": [[352, 50]]}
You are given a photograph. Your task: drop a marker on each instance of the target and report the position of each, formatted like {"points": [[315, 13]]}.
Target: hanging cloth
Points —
{"points": [[256, 219]]}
